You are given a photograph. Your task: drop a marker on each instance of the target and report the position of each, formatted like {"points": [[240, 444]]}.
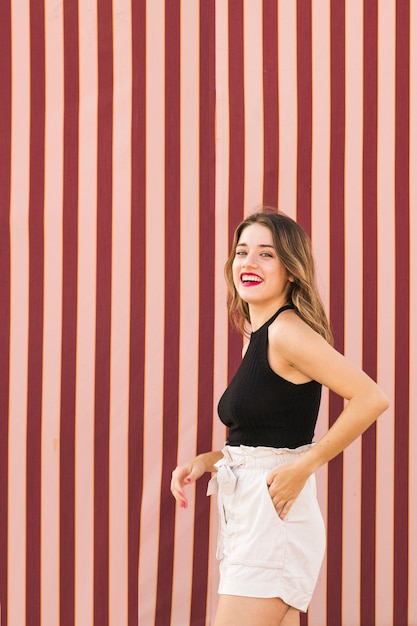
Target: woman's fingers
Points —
{"points": [[281, 502], [181, 476], [282, 508], [185, 475]]}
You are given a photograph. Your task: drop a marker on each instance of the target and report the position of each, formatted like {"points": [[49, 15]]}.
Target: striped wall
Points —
{"points": [[134, 136]]}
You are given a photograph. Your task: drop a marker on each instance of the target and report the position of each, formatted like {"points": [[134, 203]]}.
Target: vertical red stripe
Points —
{"points": [[337, 301], [304, 127], [206, 303], [69, 315], [402, 311], [103, 313], [237, 146], [370, 303], [137, 302], [172, 307], [36, 291], [5, 180], [271, 104], [304, 99]]}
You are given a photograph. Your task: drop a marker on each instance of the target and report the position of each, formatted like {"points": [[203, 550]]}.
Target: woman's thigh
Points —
{"points": [[244, 611], [292, 618]]}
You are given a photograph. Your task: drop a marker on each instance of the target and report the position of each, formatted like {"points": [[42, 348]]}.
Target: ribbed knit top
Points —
{"points": [[260, 408]]}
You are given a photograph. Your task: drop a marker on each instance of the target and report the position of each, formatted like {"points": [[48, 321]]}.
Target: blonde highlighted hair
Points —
{"points": [[293, 247]]}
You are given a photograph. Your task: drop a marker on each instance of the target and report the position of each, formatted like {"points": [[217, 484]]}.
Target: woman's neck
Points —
{"points": [[259, 314]]}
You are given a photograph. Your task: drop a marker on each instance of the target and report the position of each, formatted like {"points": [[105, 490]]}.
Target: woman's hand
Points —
{"points": [[189, 472], [185, 475], [285, 483]]}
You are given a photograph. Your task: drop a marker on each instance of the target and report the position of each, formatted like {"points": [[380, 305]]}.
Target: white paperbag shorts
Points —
{"points": [[261, 555]]}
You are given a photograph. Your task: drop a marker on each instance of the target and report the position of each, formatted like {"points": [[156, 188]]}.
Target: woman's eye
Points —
{"points": [[240, 252], [267, 254]]}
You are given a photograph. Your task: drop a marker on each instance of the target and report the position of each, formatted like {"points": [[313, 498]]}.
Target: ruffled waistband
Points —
{"points": [[248, 457]]}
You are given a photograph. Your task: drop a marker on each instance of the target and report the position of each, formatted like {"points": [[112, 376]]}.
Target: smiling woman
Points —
{"points": [[283, 238], [271, 531], [256, 264]]}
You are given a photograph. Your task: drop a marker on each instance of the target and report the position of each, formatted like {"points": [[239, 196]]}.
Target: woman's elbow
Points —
{"points": [[381, 400]]}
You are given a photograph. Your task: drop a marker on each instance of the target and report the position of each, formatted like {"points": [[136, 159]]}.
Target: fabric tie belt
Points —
{"points": [[250, 458], [225, 478]]}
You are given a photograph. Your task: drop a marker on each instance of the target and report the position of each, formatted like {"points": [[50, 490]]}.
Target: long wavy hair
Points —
{"points": [[293, 247]]}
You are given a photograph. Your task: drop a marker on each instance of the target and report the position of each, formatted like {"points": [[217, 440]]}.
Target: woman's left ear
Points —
{"points": [[291, 279]]}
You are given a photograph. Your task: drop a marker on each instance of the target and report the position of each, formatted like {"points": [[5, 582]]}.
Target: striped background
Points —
{"points": [[134, 136]]}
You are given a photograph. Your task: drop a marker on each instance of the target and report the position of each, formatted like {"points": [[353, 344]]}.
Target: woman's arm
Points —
{"points": [[189, 472], [310, 354]]}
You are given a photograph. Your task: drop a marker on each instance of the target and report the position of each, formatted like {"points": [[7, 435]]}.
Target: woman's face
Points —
{"points": [[258, 273]]}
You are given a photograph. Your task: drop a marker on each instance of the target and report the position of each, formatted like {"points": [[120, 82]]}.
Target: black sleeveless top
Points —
{"points": [[260, 408]]}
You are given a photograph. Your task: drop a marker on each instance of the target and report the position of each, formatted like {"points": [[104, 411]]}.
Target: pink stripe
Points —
{"points": [[172, 308], [252, 79], [137, 302], [36, 284], [386, 293], [19, 216], [221, 246], [69, 315], [5, 174], [120, 336], [320, 233], [51, 396], [189, 320], [287, 93], [103, 313], [154, 303], [321, 143], [402, 312], [271, 104], [86, 285]]}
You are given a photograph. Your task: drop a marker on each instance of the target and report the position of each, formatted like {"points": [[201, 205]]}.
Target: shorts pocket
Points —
{"points": [[305, 505], [222, 527], [261, 535]]}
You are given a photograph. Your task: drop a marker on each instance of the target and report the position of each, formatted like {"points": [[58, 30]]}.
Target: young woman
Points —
{"points": [[271, 532]]}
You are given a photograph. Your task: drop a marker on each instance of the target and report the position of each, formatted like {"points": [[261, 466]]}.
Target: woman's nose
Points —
{"points": [[250, 260]]}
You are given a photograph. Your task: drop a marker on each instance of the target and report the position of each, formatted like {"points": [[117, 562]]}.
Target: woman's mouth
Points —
{"points": [[250, 280]]}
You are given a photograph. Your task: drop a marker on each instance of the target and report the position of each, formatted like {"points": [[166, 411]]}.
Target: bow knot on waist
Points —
{"points": [[225, 478]]}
